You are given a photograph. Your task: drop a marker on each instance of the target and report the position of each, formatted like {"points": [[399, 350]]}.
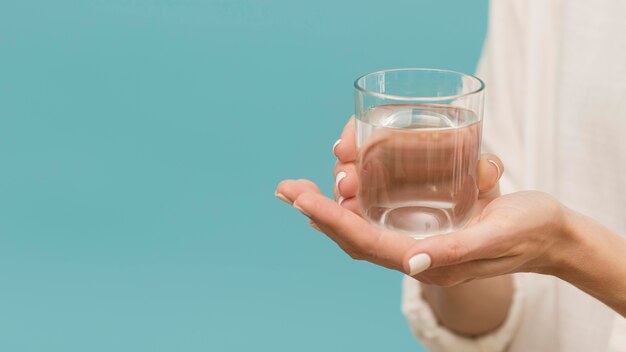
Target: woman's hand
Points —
{"points": [[364, 241], [520, 232]]}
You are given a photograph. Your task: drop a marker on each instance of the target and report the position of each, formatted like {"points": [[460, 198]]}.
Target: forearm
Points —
{"points": [[474, 308], [595, 262]]}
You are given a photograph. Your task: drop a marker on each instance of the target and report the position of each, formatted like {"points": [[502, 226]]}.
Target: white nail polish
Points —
{"points": [[335, 145], [340, 176], [419, 263], [340, 200], [282, 197], [497, 168]]}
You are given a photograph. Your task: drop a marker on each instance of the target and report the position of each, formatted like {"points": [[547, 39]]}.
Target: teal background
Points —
{"points": [[140, 145]]}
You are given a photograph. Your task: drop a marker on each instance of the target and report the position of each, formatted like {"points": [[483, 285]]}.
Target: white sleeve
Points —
{"points": [[437, 338]]}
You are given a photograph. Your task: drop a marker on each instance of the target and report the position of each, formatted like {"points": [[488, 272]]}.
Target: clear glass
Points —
{"points": [[418, 135]]}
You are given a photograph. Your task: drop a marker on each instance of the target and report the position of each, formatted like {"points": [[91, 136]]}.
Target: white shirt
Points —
{"points": [[555, 113]]}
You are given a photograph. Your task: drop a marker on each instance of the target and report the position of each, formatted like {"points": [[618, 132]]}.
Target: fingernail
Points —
{"points": [[300, 209], [335, 145], [497, 168], [282, 197], [340, 176], [418, 263], [340, 200]]}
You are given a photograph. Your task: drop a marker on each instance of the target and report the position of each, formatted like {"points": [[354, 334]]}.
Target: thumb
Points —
{"points": [[449, 249], [490, 170]]}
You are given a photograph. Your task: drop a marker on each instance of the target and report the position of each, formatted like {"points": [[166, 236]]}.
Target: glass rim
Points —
{"points": [[481, 85]]}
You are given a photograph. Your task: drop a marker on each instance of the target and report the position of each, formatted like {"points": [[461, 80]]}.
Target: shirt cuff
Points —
{"points": [[435, 337]]}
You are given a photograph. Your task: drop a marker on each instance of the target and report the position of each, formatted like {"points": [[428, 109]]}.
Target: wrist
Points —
{"points": [[561, 243], [591, 258], [572, 245]]}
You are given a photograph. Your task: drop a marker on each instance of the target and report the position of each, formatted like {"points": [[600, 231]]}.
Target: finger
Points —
{"points": [[314, 225], [346, 182], [323, 211], [351, 204], [360, 239], [473, 270], [330, 234], [289, 190], [490, 169], [469, 244], [337, 177], [345, 147]]}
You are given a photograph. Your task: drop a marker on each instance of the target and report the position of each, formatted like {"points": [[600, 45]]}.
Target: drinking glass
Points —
{"points": [[418, 135]]}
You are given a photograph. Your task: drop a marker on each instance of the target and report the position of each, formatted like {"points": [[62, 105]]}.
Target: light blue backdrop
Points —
{"points": [[140, 144]]}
